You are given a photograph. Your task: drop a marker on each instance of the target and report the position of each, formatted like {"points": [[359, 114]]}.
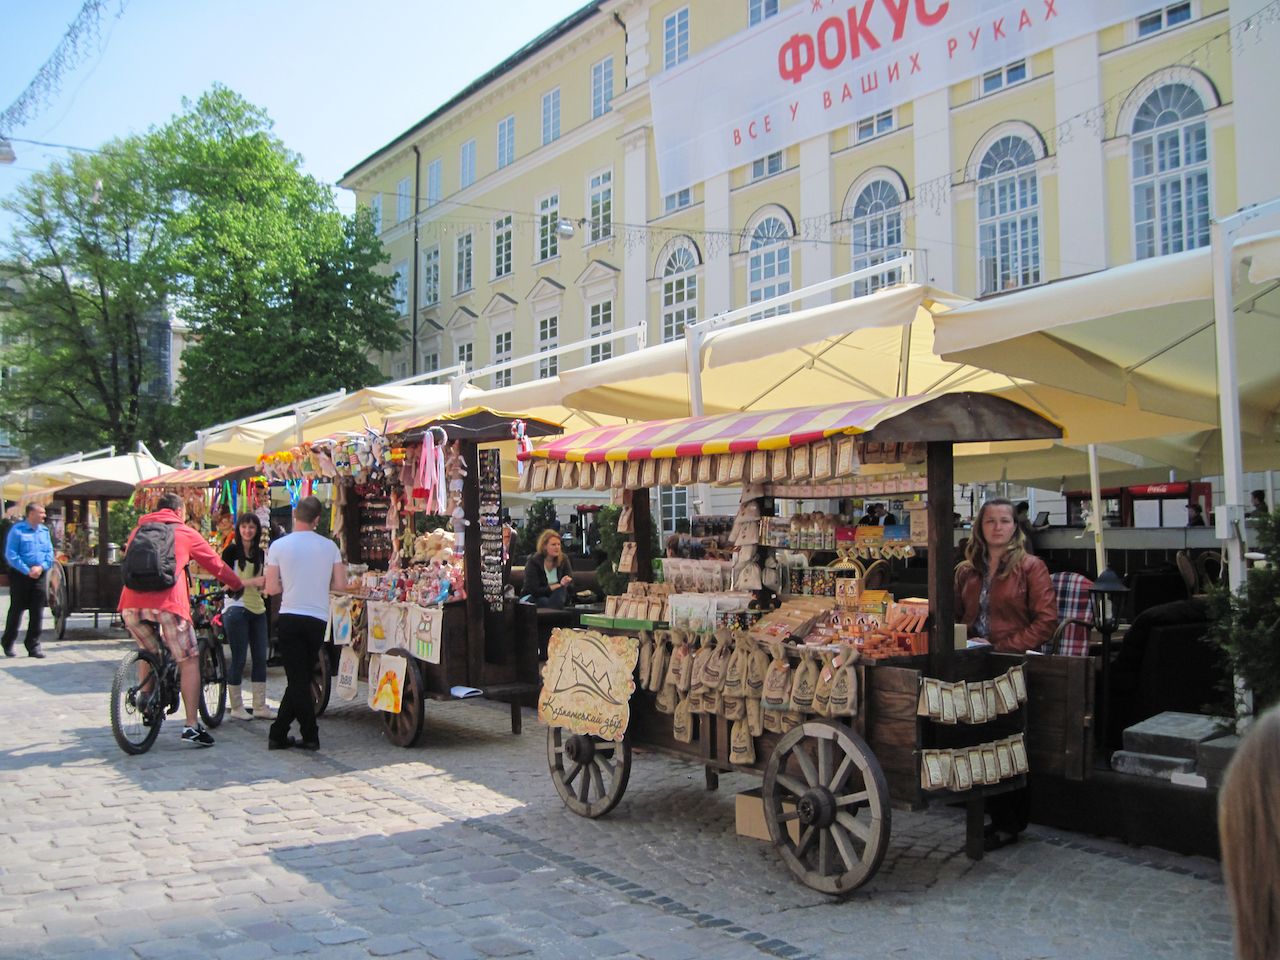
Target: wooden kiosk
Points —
{"points": [[480, 647], [89, 580], [830, 782]]}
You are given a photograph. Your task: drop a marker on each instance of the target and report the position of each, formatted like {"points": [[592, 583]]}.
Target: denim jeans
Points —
{"points": [[245, 629]]}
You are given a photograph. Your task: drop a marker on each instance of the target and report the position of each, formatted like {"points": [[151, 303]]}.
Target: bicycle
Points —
{"points": [[146, 686]]}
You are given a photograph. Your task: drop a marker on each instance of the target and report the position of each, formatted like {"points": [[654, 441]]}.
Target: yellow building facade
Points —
{"points": [[527, 214]]}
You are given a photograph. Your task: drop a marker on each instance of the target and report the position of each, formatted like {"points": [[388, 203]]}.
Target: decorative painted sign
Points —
{"points": [[587, 683], [824, 64], [390, 685]]}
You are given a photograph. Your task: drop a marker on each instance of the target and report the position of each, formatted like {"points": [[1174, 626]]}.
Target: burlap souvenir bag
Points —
{"points": [[706, 469], [632, 480], [804, 683], [648, 473], [822, 692], [742, 749], [682, 724], [734, 708], [618, 476], [658, 662], [526, 478], [680, 667], [780, 464], [627, 521], [770, 720], [697, 677], [718, 663], [843, 701], [600, 476], [755, 717], [666, 472], [666, 699], [777, 681], [800, 463], [723, 463], [790, 720], [735, 671], [759, 467], [684, 471], [646, 658], [757, 669]]}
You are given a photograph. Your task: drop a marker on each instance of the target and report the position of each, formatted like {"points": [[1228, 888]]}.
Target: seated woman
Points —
{"points": [[1005, 597], [548, 576]]}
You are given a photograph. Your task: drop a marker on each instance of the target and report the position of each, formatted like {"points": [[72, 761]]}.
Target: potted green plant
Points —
{"points": [[1247, 626]]}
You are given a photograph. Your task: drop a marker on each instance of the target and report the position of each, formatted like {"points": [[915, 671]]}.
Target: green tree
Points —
{"points": [[536, 519], [1248, 626], [82, 313], [208, 218], [280, 289]]}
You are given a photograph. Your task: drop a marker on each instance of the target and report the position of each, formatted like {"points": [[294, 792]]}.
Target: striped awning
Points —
{"points": [[957, 417], [199, 478], [720, 433]]}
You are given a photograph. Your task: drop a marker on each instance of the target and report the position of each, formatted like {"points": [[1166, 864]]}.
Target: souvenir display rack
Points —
{"points": [[454, 627], [837, 766]]}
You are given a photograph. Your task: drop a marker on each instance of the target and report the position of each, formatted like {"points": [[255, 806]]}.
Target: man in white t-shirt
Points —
{"points": [[302, 567]]}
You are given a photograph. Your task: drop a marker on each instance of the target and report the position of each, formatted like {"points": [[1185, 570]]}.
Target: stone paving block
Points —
{"points": [[1173, 734], [500, 946], [1150, 765], [390, 945]]}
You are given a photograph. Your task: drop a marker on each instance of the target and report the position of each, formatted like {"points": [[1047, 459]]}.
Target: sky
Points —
{"points": [[340, 79]]}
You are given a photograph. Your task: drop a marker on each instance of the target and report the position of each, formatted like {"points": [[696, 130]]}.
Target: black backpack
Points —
{"points": [[151, 562]]}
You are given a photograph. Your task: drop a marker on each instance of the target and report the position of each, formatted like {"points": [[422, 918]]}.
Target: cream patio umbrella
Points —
{"points": [[1145, 329], [235, 446], [370, 407]]}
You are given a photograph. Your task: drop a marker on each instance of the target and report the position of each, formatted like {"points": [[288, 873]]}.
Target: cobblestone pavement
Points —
{"points": [[461, 848]]}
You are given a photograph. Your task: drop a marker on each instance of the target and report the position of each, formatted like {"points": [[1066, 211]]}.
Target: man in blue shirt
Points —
{"points": [[29, 552]]}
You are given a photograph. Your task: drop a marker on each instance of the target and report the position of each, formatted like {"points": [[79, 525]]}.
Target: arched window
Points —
{"points": [[679, 293], [877, 234], [1008, 216], [1169, 153], [769, 269]]}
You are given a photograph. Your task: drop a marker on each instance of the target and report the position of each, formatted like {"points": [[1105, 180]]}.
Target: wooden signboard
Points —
{"points": [[587, 683]]}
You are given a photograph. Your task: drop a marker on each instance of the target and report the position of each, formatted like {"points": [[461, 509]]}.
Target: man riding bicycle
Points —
{"points": [[169, 607]]}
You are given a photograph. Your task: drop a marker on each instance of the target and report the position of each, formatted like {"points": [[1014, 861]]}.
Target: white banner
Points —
{"points": [[823, 64]]}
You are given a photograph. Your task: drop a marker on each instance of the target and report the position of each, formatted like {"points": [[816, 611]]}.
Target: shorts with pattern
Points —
{"points": [[174, 630]]}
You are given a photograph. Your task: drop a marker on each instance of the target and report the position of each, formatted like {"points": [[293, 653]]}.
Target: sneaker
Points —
{"points": [[197, 736]]}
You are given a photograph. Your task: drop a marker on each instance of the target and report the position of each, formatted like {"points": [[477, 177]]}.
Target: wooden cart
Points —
{"points": [[91, 581], [834, 780], [481, 646]]}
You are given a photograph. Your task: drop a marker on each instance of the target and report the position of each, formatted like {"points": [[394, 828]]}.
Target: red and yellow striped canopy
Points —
{"points": [[198, 478], [721, 433]]}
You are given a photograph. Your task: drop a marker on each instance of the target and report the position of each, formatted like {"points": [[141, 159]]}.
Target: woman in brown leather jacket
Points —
{"points": [[1005, 596], [1003, 593]]}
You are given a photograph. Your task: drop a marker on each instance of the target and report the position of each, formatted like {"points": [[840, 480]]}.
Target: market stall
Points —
{"points": [[78, 492], [848, 705], [427, 614]]}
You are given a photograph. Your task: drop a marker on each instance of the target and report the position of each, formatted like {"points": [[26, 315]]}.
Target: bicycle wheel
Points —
{"points": [[213, 680], [134, 727]]}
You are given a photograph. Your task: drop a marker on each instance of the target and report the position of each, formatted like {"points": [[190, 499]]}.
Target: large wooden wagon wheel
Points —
{"points": [[590, 773], [405, 728], [58, 601], [835, 792]]}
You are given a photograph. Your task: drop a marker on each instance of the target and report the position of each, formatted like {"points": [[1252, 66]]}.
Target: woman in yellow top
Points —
{"points": [[244, 617]]}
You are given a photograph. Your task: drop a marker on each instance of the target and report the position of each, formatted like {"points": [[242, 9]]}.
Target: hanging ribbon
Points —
{"points": [[295, 491], [440, 498], [523, 444]]}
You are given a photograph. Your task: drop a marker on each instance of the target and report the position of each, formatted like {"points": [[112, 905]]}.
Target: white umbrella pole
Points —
{"points": [[694, 338], [1222, 237], [1095, 493]]}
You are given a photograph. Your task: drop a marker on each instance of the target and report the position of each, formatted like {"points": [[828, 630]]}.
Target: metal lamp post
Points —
{"points": [[1105, 597]]}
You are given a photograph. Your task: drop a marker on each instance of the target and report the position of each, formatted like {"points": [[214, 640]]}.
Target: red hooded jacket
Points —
{"points": [[188, 545]]}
